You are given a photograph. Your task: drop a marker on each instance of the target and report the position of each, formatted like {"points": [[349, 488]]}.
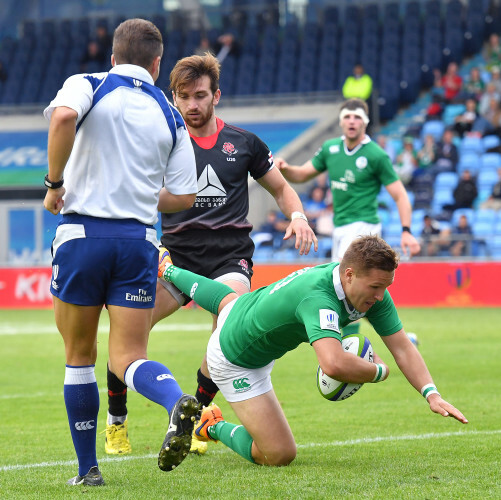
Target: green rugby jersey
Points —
{"points": [[305, 306], [355, 178]]}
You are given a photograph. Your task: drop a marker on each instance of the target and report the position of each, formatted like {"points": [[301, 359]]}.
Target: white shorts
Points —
{"points": [[344, 235], [235, 382]]}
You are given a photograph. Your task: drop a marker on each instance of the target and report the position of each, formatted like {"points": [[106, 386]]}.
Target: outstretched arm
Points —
{"points": [[413, 366], [408, 243], [288, 201]]}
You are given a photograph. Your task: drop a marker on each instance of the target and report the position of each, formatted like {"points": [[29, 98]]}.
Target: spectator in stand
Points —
{"points": [[494, 200], [489, 94], [271, 232], [358, 85], [461, 237], [447, 154], [492, 52], [93, 60], [104, 39], [490, 122], [382, 140], [226, 45], [474, 85], [406, 162], [496, 78], [427, 155], [464, 193], [451, 83], [465, 122], [431, 241], [315, 206], [203, 47]]}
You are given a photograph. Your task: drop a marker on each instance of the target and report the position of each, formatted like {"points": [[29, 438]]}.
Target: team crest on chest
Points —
{"points": [[229, 149], [334, 149], [361, 162], [349, 176]]}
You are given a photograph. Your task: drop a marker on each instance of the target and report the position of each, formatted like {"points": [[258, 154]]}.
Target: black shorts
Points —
{"points": [[211, 253]]}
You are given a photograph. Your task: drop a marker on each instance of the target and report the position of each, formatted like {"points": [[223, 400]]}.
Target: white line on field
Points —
{"points": [[36, 329], [349, 442]]}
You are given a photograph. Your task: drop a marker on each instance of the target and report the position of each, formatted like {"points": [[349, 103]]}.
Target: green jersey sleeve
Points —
{"points": [[386, 172], [319, 320]]}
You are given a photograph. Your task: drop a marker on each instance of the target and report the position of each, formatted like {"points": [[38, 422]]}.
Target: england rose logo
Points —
{"points": [[229, 149]]}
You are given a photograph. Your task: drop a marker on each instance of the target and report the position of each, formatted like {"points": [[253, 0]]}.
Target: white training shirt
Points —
{"points": [[130, 140]]}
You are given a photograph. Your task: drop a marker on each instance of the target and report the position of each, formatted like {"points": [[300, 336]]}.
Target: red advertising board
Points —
{"points": [[25, 288], [468, 284], [441, 284]]}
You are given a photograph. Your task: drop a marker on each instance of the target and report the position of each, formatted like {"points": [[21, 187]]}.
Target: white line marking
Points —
{"points": [[36, 329], [350, 442]]}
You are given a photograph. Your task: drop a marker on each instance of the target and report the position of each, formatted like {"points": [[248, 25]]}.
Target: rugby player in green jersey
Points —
{"points": [[357, 168], [310, 305]]}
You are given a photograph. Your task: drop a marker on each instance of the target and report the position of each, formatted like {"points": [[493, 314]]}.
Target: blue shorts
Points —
{"points": [[104, 261]]}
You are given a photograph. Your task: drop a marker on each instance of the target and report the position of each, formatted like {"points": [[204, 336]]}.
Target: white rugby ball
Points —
{"points": [[332, 389]]}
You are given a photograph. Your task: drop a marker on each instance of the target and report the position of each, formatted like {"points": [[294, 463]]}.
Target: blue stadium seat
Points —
{"points": [[433, 127], [488, 216], [471, 144], [486, 179], [468, 161], [446, 180], [491, 141], [491, 161], [441, 198]]}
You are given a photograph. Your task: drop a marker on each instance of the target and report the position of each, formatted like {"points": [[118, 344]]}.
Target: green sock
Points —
{"points": [[205, 292], [351, 328], [234, 437]]}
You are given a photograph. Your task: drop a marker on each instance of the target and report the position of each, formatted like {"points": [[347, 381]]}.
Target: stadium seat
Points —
{"points": [[491, 161], [441, 198], [471, 144], [486, 179], [491, 141], [446, 180], [433, 127], [487, 216], [468, 161]]}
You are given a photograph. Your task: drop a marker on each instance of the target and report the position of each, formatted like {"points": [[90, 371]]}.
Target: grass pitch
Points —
{"points": [[383, 442]]}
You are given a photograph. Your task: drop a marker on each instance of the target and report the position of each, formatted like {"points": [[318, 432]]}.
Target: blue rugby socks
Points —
{"points": [[81, 397]]}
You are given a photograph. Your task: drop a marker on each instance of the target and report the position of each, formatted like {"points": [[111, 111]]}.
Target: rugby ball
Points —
{"points": [[332, 389]]}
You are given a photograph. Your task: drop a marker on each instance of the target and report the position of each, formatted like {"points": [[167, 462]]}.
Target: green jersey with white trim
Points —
{"points": [[355, 178], [305, 306]]}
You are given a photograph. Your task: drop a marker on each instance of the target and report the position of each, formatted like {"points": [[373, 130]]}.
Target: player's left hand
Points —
{"points": [[409, 244], [304, 236], [439, 405]]}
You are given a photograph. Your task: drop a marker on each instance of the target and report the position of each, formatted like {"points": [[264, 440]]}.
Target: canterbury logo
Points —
{"points": [[241, 383], [193, 290], [165, 376], [137, 83], [84, 426]]}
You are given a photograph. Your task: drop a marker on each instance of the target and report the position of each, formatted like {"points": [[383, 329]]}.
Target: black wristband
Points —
{"points": [[53, 185], [406, 229]]}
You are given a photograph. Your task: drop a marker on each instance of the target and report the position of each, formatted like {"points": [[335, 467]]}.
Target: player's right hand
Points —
{"points": [[53, 201]]}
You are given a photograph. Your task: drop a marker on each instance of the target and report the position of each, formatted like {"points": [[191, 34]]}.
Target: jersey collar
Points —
{"points": [[364, 141], [132, 71], [338, 288]]}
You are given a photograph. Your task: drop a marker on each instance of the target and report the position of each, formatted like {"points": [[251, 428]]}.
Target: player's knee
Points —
{"points": [[282, 457]]}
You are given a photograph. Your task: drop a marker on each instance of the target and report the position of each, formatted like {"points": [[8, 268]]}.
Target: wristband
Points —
{"points": [[406, 229], [380, 373], [52, 185], [298, 215], [428, 390]]}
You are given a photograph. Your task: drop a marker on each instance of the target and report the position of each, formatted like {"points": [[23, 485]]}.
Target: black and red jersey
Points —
{"points": [[224, 161]]}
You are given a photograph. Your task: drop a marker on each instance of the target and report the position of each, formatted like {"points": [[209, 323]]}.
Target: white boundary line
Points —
{"points": [[36, 329], [350, 442]]}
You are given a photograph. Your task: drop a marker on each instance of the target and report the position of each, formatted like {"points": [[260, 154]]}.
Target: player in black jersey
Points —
{"points": [[213, 237]]}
